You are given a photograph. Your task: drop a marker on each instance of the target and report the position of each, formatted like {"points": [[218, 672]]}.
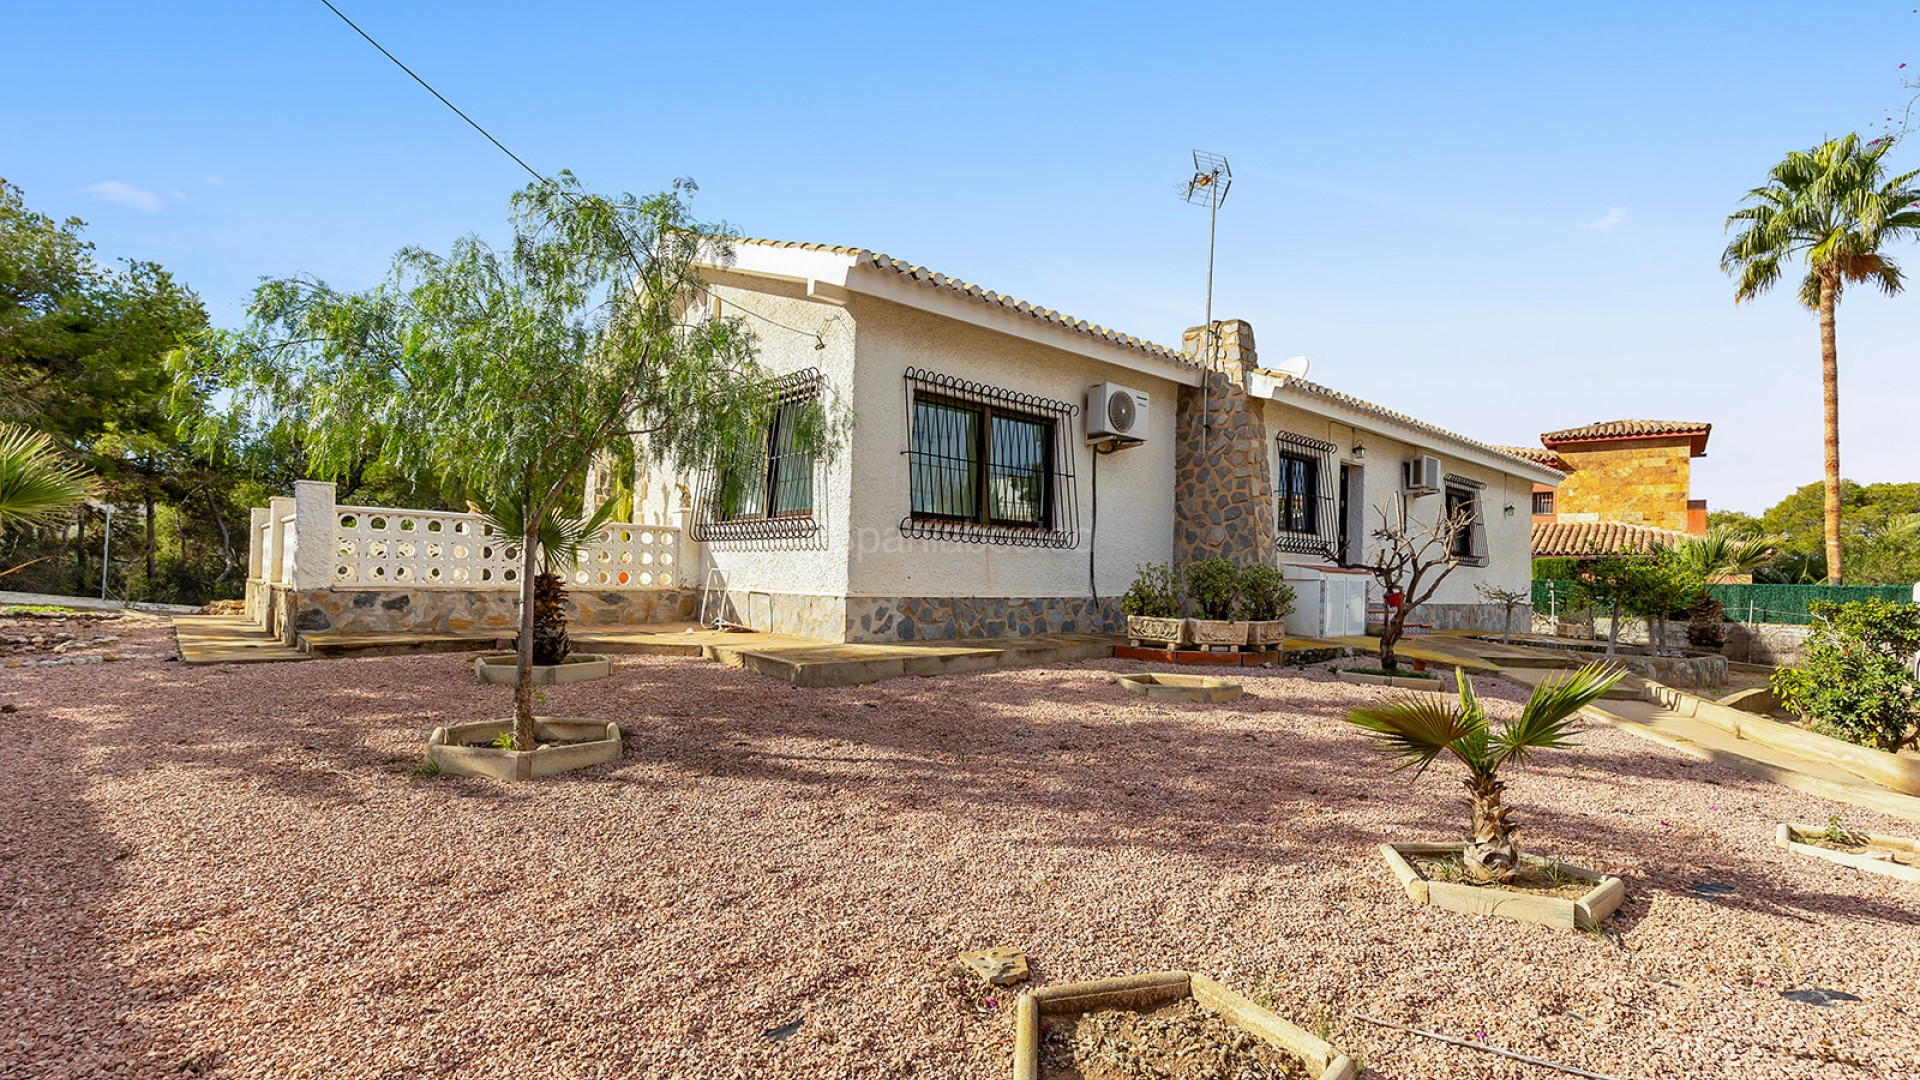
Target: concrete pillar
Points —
{"points": [[1223, 481], [257, 541], [313, 556], [279, 509]]}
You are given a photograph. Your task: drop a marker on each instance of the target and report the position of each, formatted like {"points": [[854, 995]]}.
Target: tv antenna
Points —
{"points": [[1208, 187], [1211, 180]]}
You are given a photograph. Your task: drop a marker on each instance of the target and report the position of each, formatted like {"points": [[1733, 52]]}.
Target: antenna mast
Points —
{"points": [[1211, 179]]}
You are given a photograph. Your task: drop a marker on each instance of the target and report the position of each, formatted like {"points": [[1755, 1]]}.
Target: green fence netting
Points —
{"points": [[1750, 603]]}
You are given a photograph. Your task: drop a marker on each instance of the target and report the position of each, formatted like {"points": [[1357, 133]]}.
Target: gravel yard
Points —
{"points": [[227, 871]]}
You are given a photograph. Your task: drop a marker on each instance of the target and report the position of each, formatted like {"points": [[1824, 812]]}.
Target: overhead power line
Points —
{"points": [[518, 160]]}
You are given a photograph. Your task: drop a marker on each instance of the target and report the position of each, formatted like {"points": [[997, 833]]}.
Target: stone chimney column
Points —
{"points": [[1223, 482]]}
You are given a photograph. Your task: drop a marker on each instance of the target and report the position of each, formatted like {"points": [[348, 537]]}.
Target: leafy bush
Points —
{"points": [[1858, 682], [1555, 569], [1156, 592], [1264, 593], [1214, 585]]}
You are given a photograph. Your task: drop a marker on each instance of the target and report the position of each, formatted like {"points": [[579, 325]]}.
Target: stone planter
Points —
{"points": [[1399, 682], [1181, 687], [567, 744], [1211, 633], [1791, 836], [1144, 628], [579, 667], [1585, 913], [1143, 993], [1266, 634]]}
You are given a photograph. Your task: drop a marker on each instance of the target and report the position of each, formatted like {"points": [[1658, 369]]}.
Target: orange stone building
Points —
{"points": [[1628, 486]]}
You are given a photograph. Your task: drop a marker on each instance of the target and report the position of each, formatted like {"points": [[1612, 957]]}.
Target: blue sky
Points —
{"points": [[1503, 218]]}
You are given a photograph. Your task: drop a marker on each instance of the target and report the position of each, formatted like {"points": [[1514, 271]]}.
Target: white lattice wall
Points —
{"points": [[375, 547]]}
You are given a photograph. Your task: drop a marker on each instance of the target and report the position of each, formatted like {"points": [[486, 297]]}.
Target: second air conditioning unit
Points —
{"points": [[1423, 474], [1117, 413]]}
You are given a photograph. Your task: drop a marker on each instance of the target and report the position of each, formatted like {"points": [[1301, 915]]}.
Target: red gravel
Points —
{"points": [[227, 871]]}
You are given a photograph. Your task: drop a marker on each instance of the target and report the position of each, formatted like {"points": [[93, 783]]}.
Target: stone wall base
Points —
{"points": [[289, 612], [1765, 644], [807, 615], [1487, 618], [944, 618]]}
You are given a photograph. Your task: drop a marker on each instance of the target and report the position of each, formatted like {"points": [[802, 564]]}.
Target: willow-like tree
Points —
{"points": [[1832, 207], [502, 373]]}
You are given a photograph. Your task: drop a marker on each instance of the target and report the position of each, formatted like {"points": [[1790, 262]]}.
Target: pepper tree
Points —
{"points": [[502, 372]]}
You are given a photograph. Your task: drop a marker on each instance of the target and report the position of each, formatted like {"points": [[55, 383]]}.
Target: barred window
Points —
{"points": [[987, 465], [1305, 516], [1543, 502], [1468, 545], [767, 490]]}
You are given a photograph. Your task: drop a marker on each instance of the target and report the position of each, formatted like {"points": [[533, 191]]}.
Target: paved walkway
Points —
{"points": [[90, 603], [228, 639], [1700, 739]]}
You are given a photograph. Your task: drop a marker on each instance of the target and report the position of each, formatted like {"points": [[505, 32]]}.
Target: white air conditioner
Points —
{"points": [[1423, 474], [1116, 412]]}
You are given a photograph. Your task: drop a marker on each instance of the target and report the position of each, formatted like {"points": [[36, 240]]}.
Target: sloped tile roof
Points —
{"points": [[923, 276], [1562, 539], [1536, 454], [1626, 429], [1400, 418]]}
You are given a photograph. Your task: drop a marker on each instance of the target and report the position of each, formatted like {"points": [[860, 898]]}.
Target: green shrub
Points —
{"points": [[1156, 592], [1858, 680], [1214, 584], [1555, 569], [1264, 593]]}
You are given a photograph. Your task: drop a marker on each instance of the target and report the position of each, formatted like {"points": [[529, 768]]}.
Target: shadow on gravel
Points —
{"points": [[72, 1011]]}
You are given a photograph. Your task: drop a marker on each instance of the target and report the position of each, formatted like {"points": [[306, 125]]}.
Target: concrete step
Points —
{"points": [[332, 644]]}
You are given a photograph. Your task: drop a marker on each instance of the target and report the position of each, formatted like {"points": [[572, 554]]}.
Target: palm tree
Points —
{"points": [[1417, 728], [37, 487], [560, 537], [1724, 551], [1832, 207]]}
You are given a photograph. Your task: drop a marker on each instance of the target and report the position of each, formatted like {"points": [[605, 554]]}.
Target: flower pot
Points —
{"points": [[1153, 628], [1209, 632]]}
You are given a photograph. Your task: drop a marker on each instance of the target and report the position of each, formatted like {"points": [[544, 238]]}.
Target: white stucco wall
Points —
{"points": [[811, 566], [1135, 521], [1509, 538]]}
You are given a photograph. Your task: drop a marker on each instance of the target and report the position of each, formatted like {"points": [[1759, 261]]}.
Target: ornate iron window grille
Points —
{"points": [[1472, 548], [1306, 510], [776, 479], [988, 466]]}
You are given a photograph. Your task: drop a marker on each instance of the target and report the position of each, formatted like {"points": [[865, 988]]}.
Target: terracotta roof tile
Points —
{"points": [[1536, 454], [1626, 429], [1560, 539]]}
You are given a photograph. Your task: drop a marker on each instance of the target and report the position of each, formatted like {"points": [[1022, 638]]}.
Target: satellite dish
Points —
{"points": [[1295, 365]]}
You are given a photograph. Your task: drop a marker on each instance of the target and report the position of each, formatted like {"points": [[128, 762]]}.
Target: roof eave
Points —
{"points": [[1384, 421]]}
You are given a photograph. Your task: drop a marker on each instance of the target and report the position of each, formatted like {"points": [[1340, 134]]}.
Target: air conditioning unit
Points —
{"points": [[1116, 412], [1423, 474]]}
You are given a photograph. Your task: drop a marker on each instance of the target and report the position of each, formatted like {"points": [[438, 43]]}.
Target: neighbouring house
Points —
{"points": [[1006, 471], [1626, 485]]}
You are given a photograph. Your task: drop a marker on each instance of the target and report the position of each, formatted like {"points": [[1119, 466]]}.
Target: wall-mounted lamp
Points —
{"points": [[1510, 509], [1359, 452]]}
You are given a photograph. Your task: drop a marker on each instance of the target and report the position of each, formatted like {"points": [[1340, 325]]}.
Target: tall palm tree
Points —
{"points": [[1417, 728], [1833, 207]]}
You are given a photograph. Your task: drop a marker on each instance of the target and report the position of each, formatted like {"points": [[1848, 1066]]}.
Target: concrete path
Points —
{"points": [[90, 603], [228, 639], [1708, 742]]}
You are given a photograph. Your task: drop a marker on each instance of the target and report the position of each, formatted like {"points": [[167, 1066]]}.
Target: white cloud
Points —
{"points": [[1605, 222], [114, 191]]}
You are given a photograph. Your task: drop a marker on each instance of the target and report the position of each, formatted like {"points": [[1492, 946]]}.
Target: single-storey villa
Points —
{"points": [[1006, 470], [1009, 468]]}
